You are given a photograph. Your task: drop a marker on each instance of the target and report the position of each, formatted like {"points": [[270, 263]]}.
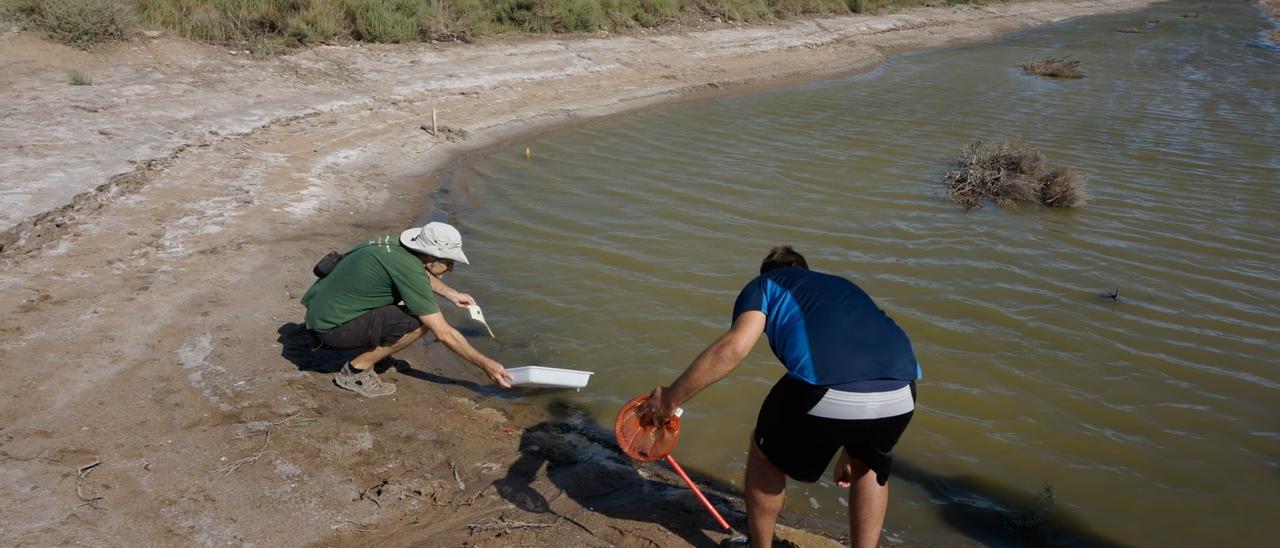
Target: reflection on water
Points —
{"points": [[620, 245]]}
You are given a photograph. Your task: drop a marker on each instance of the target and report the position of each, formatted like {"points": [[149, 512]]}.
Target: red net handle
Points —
{"points": [[646, 442]]}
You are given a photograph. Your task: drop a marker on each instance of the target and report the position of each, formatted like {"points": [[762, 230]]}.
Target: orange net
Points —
{"points": [[646, 442]]}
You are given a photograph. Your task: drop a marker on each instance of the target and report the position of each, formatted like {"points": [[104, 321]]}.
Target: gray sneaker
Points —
{"points": [[366, 383]]}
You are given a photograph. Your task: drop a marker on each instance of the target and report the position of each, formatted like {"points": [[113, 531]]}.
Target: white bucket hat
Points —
{"points": [[435, 239]]}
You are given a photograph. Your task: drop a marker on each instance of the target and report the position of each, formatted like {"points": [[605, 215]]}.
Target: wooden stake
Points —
{"points": [[433, 122]]}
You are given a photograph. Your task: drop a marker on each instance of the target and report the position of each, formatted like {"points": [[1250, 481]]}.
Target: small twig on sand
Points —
{"points": [[92, 499], [458, 477], [471, 499], [278, 423], [435, 499], [227, 470], [82, 472], [269, 425], [357, 526], [365, 495], [501, 524]]}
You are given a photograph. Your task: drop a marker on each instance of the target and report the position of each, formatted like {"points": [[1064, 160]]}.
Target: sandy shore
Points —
{"points": [[159, 226]]}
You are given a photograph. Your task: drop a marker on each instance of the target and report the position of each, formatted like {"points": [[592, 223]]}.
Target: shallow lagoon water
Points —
{"points": [[619, 246]]}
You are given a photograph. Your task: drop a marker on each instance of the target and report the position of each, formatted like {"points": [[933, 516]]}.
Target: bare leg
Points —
{"points": [[867, 501], [766, 491], [371, 356]]}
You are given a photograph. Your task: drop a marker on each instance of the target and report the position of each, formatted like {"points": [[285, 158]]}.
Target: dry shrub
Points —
{"points": [[1003, 173], [1009, 174], [454, 20], [79, 23], [319, 21], [1054, 67], [384, 21], [1063, 187]]}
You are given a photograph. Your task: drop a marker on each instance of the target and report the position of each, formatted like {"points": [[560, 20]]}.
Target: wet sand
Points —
{"points": [[159, 227]]}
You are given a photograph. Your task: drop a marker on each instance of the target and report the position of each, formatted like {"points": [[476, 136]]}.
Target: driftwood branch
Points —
{"points": [[502, 524], [228, 469], [266, 430], [435, 499], [269, 426], [90, 500], [458, 477], [376, 492], [82, 472], [357, 526]]}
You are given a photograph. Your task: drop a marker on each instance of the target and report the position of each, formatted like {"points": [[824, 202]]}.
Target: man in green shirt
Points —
{"points": [[381, 297]]}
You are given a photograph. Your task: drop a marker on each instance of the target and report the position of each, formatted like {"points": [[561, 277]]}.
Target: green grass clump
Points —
{"points": [[792, 8], [550, 15], [642, 13], [385, 21], [454, 20], [747, 11], [79, 78], [271, 25], [79, 23], [318, 22], [221, 21]]}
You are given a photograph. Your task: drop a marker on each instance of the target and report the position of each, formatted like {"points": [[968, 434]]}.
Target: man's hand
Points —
{"points": [[710, 366], [844, 470], [657, 410], [462, 300], [497, 374], [458, 344]]}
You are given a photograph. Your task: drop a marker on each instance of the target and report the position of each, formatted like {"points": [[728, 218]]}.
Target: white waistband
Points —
{"points": [[864, 405]]}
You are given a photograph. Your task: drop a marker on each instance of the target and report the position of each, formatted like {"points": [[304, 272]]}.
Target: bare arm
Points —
{"points": [[710, 366], [456, 297], [455, 342]]}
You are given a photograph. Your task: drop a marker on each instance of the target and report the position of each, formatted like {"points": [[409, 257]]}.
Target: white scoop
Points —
{"points": [[478, 315]]}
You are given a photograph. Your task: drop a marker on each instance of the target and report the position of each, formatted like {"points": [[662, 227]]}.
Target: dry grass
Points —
{"points": [[1009, 174], [1054, 67], [1063, 187]]}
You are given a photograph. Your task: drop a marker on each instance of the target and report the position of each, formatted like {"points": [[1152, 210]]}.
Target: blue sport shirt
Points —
{"points": [[826, 330]]}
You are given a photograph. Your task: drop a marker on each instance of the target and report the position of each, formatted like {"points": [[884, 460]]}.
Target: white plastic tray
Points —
{"points": [[534, 375]]}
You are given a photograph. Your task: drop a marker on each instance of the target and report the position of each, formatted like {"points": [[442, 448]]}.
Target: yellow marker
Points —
{"points": [[527, 153]]}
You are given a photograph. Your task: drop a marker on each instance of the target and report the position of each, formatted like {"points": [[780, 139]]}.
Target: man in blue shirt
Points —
{"points": [[850, 384]]}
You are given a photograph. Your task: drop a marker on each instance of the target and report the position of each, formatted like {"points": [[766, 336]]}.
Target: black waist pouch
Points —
{"points": [[327, 264]]}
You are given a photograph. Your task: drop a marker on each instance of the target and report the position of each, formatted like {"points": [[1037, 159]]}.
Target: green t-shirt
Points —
{"points": [[374, 273]]}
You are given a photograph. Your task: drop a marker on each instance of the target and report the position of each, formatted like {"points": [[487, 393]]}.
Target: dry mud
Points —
{"points": [[158, 228]]}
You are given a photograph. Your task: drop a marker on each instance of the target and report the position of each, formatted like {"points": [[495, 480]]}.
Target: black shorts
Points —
{"points": [[802, 444], [382, 326]]}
